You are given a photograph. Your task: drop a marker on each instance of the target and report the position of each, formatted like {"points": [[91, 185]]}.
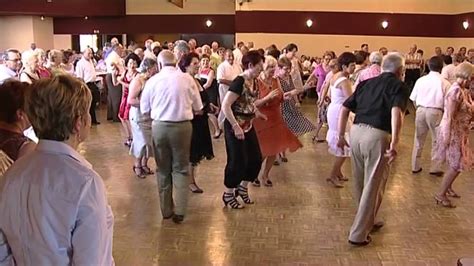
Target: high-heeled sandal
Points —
{"points": [[243, 193], [218, 135], [445, 202], [256, 183], [267, 183], [195, 189], [342, 178], [317, 140], [128, 142], [229, 199], [335, 182], [147, 170], [140, 173], [451, 193]]}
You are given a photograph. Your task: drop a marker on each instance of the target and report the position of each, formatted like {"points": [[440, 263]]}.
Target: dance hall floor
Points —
{"points": [[302, 220]]}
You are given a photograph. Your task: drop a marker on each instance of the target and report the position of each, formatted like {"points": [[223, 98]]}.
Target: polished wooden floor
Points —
{"points": [[300, 221]]}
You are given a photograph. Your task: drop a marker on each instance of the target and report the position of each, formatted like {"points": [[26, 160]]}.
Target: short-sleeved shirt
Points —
{"points": [[243, 108], [373, 100]]}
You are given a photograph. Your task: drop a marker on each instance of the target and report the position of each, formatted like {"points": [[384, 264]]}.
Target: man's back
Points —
{"points": [[171, 96], [429, 90], [374, 98]]}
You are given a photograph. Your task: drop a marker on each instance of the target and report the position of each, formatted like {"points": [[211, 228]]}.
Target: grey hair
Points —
{"points": [[375, 58], [147, 64], [4, 55], [182, 46], [392, 62]]}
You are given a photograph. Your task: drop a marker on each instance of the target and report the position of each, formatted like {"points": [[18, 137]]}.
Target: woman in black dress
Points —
{"points": [[208, 81], [201, 142]]}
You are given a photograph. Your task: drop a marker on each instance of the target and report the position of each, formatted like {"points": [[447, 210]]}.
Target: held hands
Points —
{"points": [[290, 94], [238, 132], [271, 95], [214, 109]]}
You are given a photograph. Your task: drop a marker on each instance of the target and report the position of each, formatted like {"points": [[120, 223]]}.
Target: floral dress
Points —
{"points": [[453, 134]]}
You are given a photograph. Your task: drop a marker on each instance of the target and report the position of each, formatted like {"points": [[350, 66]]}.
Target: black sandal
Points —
{"points": [[244, 194], [147, 170], [360, 244], [229, 199], [140, 173]]}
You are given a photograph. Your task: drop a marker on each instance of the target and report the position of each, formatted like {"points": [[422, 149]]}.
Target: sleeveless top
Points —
{"points": [[11, 142], [337, 94]]}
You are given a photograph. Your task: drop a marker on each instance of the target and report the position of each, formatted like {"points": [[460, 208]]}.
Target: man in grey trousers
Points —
{"points": [[379, 104], [171, 97]]}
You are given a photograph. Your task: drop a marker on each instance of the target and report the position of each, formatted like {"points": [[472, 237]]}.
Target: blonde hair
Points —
{"points": [[27, 58], [463, 70], [54, 105], [53, 54], [270, 61]]}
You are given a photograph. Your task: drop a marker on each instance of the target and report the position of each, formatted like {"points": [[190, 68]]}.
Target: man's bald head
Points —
{"points": [[166, 58]]}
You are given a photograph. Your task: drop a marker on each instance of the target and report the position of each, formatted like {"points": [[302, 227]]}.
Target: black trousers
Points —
{"points": [[411, 76], [244, 158], [95, 99]]}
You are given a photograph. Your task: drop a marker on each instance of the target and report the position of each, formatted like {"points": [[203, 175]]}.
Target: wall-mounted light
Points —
{"points": [[465, 24], [208, 23], [309, 23], [42, 17], [96, 31], [86, 17], [384, 24]]}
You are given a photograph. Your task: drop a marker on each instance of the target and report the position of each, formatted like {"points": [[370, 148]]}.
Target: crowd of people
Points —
{"points": [[173, 99]]}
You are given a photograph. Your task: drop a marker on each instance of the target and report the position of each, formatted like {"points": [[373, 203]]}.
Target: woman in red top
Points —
{"points": [[132, 62], [273, 134], [13, 120]]}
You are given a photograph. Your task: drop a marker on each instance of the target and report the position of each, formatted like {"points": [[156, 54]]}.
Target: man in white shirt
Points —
{"points": [[428, 95], [171, 97], [11, 65], [227, 71], [238, 53], [448, 71], [85, 70]]}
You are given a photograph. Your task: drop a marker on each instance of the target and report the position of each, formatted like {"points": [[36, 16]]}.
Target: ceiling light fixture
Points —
{"points": [[309, 23], [208, 23], [86, 17], [465, 24], [384, 24]]}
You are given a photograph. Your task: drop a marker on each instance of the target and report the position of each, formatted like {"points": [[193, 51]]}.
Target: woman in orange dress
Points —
{"points": [[273, 134]]}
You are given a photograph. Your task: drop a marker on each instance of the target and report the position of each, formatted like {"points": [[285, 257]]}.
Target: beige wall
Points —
{"points": [[141, 38], [62, 41], [316, 45], [10, 27], [152, 7], [20, 31], [396, 6], [43, 33]]}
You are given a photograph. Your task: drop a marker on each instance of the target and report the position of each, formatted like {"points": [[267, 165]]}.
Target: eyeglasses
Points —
{"points": [[14, 60]]}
